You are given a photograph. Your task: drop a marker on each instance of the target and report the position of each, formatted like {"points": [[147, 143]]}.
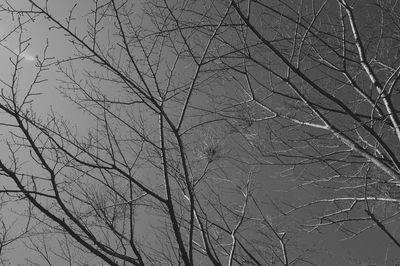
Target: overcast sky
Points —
{"points": [[40, 34]]}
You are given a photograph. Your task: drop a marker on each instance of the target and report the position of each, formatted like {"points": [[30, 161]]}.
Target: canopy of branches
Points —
{"points": [[200, 132]]}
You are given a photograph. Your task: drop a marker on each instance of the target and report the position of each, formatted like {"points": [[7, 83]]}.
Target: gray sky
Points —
{"points": [[369, 244]]}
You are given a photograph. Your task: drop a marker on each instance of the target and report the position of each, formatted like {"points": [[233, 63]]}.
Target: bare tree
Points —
{"points": [[184, 106], [313, 88], [150, 181], [317, 86]]}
